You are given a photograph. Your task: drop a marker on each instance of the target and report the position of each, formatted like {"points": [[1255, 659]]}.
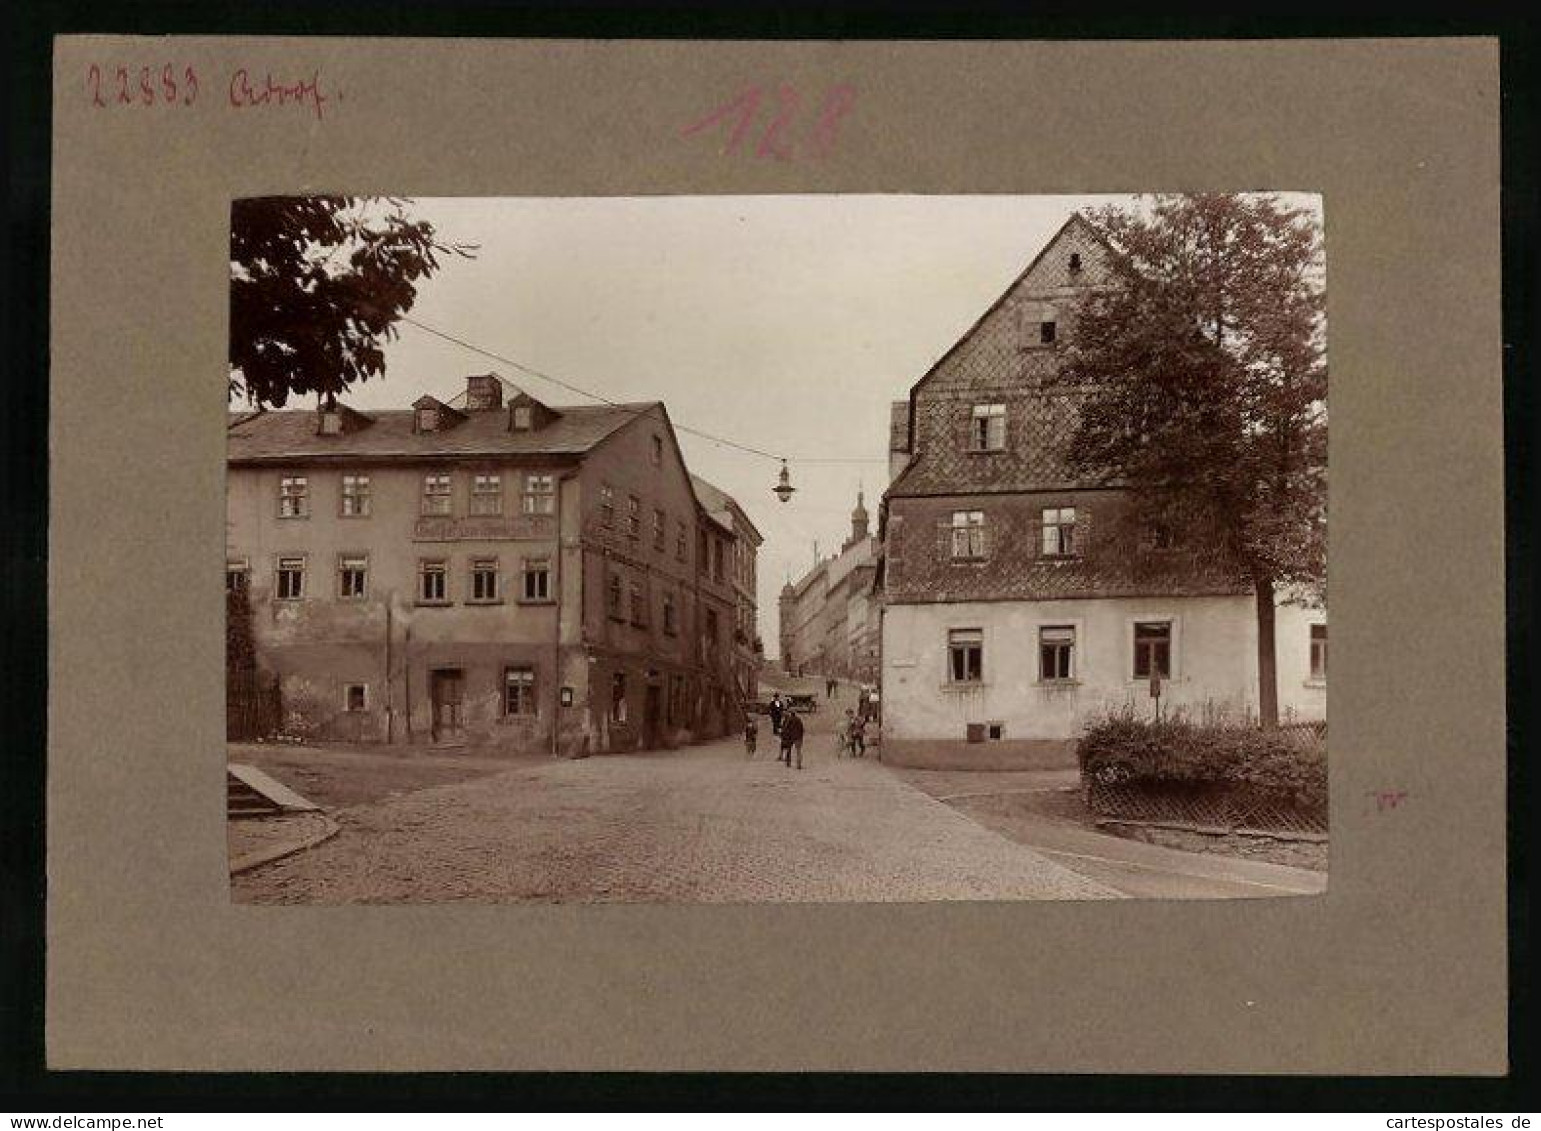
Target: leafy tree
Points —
{"points": [[317, 284], [1205, 385], [240, 647]]}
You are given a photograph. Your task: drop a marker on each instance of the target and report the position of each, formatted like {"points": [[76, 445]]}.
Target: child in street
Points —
{"points": [[751, 733]]}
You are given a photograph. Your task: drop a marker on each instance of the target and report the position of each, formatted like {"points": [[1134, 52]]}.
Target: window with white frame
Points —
{"points": [[681, 541], [1153, 649], [1059, 532], [436, 494], [487, 494], [355, 698], [352, 576], [607, 504], [638, 604], [293, 496], [540, 494], [237, 575], [968, 534], [290, 583], [427, 419], [537, 579], [523, 418], [670, 615], [634, 516], [987, 428], [484, 579], [433, 581], [965, 655], [355, 496], [1056, 653], [1319, 653], [613, 596], [660, 528], [519, 691]]}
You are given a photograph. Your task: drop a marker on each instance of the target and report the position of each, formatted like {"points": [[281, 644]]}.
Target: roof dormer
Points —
{"points": [[333, 419], [429, 414], [526, 414]]}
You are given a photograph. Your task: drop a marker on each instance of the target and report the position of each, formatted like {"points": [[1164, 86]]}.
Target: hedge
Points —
{"points": [[1272, 764]]}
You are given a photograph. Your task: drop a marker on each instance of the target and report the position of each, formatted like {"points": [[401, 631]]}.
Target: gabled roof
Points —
{"points": [[290, 435], [721, 507]]}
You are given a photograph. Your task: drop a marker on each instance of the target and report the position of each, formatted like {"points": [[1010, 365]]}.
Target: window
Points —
{"points": [[657, 451], [995, 731], [618, 697], [660, 528], [484, 579], [519, 691], [355, 698], [638, 604], [633, 516], [1319, 653], [606, 504], [987, 428], [1157, 535], [432, 581], [355, 496], [1153, 649], [291, 579], [237, 575], [681, 542], [293, 497], [427, 419], [540, 494], [1056, 653], [537, 579], [522, 418], [968, 534], [1059, 532], [613, 597], [711, 632], [352, 576], [965, 655], [1046, 332], [717, 559], [487, 494], [1075, 262], [670, 615], [331, 422], [436, 494]]}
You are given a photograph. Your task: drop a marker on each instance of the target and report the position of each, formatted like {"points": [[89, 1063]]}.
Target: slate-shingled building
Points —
{"points": [[504, 573], [1017, 600]]}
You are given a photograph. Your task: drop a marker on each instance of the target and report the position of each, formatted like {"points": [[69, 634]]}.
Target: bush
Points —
{"points": [[1274, 765]]}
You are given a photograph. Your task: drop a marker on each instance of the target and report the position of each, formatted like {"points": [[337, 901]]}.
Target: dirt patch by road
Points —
{"points": [[337, 777]]}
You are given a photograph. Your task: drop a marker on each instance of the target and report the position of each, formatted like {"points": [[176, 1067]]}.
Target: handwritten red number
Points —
{"points": [[190, 77], [123, 95], [768, 147], [94, 81], [168, 85], [836, 106], [748, 104], [146, 91]]}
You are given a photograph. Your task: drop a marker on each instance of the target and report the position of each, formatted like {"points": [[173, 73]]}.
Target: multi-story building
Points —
{"points": [[506, 573], [829, 617], [742, 573], [1020, 597]]}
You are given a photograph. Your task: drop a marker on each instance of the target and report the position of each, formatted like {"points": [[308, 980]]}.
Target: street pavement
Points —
{"points": [[703, 824]]}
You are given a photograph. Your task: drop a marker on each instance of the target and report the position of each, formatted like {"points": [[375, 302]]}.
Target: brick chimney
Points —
{"points": [[484, 393]]}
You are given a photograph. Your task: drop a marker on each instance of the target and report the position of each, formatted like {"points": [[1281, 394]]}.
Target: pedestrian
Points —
{"points": [[751, 734], [776, 711], [858, 736], [792, 740]]}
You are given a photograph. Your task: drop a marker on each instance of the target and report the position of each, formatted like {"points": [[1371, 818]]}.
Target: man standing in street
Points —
{"points": [[776, 709], [792, 739]]}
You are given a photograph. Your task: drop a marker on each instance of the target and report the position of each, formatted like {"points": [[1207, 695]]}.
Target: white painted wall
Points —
{"points": [[1214, 661]]}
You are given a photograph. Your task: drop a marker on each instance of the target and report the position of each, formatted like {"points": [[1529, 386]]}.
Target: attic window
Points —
{"points": [[331, 422], [1046, 332], [522, 418], [1075, 262], [428, 419]]}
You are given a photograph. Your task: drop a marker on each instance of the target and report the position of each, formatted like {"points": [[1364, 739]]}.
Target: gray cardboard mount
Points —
{"points": [[1400, 968]]}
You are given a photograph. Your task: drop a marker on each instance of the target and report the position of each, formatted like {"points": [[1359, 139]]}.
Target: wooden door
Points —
{"points": [[447, 688]]}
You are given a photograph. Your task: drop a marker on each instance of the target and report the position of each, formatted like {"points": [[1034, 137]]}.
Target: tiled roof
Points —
{"points": [[291, 435], [719, 504]]}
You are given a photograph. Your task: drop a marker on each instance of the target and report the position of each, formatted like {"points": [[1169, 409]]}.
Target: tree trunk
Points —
{"points": [[1267, 665]]}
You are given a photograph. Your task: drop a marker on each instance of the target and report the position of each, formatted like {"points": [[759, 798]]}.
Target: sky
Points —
{"points": [[787, 323]]}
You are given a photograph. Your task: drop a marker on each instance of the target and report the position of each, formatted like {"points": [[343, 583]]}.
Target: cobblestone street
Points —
{"points": [[703, 824]]}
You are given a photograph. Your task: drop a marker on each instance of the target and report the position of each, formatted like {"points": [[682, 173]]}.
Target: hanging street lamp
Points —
{"points": [[784, 488]]}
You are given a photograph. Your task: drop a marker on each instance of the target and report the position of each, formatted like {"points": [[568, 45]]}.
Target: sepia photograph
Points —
{"points": [[805, 548]]}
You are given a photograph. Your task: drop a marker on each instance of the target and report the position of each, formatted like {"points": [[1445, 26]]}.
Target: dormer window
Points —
{"points": [[523, 418], [428, 419], [331, 422]]}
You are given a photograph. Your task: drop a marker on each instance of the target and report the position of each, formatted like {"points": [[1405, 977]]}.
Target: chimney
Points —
{"points": [[484, 393]]}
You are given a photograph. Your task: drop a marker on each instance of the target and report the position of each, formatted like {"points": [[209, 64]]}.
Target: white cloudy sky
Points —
{"points": [[784, 322]]}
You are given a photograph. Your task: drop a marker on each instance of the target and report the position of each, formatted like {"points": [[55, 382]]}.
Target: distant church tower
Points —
{"points": [[859, 521]]}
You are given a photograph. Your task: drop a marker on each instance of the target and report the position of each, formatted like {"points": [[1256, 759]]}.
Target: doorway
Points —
{"points": [[446, 687]]}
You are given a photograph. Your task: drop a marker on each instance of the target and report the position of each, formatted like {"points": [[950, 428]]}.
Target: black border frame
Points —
{"points": [[24, 1081]]}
